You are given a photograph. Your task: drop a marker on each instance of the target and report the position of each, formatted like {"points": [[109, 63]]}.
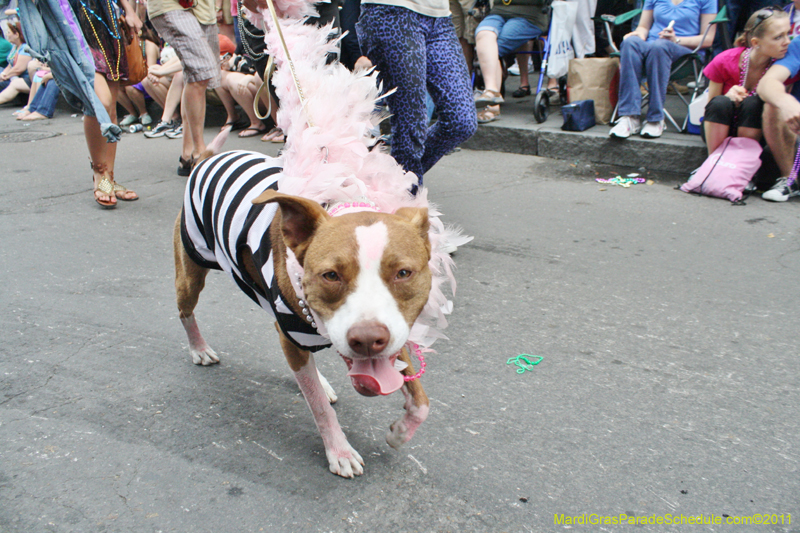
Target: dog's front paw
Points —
{"points": [[204, 357], [404, 428], [345, 462]]}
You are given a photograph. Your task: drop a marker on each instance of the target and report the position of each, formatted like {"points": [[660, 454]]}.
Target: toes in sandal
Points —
{"points": [[274, 132], [487, 115], [105, 187], [123, 193], [524, 90]]}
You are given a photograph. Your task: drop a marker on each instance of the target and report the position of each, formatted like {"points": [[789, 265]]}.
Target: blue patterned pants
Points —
{"points": [[413, 53]]}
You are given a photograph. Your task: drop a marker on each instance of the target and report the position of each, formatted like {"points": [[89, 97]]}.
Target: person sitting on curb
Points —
{"points": [[734, 108], [666, 32], [504, 30], [782, 121]]}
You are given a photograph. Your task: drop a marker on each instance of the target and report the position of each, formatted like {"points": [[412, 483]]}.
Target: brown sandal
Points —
{"points": [[487, 115]]}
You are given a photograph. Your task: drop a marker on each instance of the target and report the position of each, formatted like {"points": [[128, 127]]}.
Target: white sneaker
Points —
{"points": [[780, 192], [626, 126], [653, 130], [128, 120]]}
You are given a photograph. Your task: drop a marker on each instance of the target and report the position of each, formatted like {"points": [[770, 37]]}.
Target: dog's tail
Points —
{"points": [[215, 146]]}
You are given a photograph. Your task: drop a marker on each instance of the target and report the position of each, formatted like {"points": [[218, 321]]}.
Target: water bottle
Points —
{"points": [[136, 128]]}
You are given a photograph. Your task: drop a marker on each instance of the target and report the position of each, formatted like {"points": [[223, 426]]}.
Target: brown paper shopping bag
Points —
{"points": [[597, 79]]}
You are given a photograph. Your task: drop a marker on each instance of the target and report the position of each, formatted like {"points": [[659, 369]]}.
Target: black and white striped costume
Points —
{"points": [[219, 220]]}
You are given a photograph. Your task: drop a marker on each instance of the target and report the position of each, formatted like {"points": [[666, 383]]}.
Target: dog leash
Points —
{"points": [[271, 68]]}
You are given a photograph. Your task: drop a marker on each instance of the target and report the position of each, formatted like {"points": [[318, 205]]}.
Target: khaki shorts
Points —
{"points": [[464, 23], [197, 45]]}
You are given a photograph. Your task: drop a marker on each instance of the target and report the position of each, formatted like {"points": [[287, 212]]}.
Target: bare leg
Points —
{"points": [[173, 98], [780, 139], [17, 86], [486, 47], [137, 99], [715, 134], [193, 111]]}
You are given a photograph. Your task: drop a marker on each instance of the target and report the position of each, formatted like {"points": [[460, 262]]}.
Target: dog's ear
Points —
{"points": [[417, 216], [300, 218]]}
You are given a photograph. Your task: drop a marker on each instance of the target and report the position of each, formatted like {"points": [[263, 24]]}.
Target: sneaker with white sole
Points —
{"points": [[653, 130], [781, 191], [161, 129], [146, 120], [128, 120], [177, 133], [626, 126]]}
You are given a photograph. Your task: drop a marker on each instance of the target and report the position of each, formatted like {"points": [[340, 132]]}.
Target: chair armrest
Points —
{"points": [[621, 19]]}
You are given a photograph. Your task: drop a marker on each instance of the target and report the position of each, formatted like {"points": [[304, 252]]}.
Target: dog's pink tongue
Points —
{"points": [[375, 375]]}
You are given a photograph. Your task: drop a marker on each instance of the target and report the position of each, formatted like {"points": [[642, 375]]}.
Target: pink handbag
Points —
{"points": [[727, 171]]}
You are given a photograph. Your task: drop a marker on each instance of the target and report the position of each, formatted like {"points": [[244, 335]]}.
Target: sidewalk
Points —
{"points": [[518, 132]]}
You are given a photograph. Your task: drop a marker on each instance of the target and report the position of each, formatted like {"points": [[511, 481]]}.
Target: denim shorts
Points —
{"points": [[511, 33]]}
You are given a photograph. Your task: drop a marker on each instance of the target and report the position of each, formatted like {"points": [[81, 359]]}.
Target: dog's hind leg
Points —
{"points": [[190, 278], [416, 406], [343, 460]]}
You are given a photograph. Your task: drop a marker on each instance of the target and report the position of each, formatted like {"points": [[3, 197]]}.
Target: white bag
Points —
{"points": [[561, 50], [696, 111]]}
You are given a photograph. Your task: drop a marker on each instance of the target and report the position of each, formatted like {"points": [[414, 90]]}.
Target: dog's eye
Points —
{"points": [[403, 274], [330, 276]]}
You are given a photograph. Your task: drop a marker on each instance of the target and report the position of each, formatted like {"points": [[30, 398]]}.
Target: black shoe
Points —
{"points": [[184, 166], [524, 90]]}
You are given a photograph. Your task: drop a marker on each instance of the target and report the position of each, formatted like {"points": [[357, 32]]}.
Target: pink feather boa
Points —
{"points": [[330, 154]]}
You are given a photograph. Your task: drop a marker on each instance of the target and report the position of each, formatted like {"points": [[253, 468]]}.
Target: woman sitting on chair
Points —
{"points": [[667, 31], [734, 108]]}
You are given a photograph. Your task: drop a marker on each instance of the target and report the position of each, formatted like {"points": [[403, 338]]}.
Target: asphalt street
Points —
{"points": [[668, 388]]}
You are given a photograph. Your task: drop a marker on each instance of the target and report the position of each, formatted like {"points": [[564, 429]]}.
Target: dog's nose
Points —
{"points": [[368, 338]]}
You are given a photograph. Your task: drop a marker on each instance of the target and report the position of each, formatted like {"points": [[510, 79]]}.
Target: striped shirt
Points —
{"points": [[219, 221]]}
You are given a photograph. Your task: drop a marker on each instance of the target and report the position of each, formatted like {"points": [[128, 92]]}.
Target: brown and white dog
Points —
{"points": [[365, 276]]}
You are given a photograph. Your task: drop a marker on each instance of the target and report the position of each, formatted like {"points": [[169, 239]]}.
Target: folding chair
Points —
{"points": [[690, 65]]}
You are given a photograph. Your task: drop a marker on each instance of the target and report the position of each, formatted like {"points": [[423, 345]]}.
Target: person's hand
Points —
{"points": [[220, 16], [134, 22], [362, 63], [636, 33], [668, 34], [790, 113], [737, 93]]}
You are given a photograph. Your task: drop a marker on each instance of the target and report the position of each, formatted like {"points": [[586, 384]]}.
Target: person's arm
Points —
{"points": [[693, 40], [19, 66], [772, 90], [643, 29], [131, 18]]}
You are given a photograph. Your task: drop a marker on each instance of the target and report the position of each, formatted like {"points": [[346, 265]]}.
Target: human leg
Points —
{"points": [[658, 64], [402, 64], [449, 85], [44, 104], [780, 139], [486, 48], [193, 114], [717, 120], [16, 87], [632, 53]]}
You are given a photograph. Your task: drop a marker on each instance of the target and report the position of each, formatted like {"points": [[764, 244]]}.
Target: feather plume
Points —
{"points": [[330, 117]]}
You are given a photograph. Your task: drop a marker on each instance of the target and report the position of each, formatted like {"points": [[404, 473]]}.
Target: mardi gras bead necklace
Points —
{"points": [[114, 35]]}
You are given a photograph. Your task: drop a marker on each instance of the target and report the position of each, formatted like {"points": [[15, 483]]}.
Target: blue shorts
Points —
{"points": [[511, 33]]}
